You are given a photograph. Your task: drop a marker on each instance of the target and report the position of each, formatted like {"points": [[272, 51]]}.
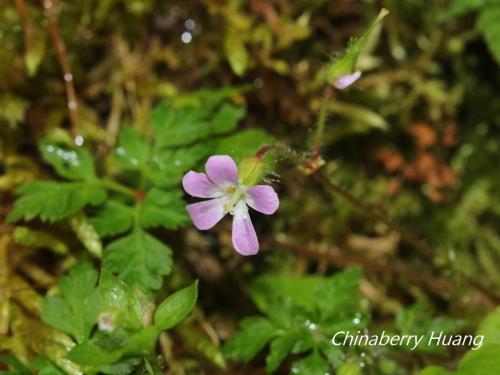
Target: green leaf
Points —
{"points": [[490, 328], [139, 259], [183, 125], [123, 367], [489, 26], [52, 201], [70, 163], [337, 298], [34, 238], [349, 368], [435, 370], [235, 51], [461, 7], [12, 109], [346, 64], [163, 208], [265, 288], [45, 367], [120, 301], [417, 319], [143, 342], [176, 307], [483, 361], [15, 364], [169, 165], [244, 143], [314, 364], [133, 149], [279, 349], [75, 310], [254, 334], [35, 52], [113, 218], [92, 355]]}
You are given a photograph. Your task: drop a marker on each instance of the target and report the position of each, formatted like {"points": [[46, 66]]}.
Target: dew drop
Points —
{"points": [[190, 24], [186, 37]]}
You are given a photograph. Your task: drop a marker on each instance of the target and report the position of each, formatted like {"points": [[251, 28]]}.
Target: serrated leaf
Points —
{"points": [[163, 208], [133, 149], [255, 332], [338, 296], [265, 288], [417, 319], [169, 165], [52, 201], [346, 64], [183, 125], [139, 259], [314, 364], [68, 162], [489, 26], [280, 348], [113, 218], [176, 307], [75, 310]]}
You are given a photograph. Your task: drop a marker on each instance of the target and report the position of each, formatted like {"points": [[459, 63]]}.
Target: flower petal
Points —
{"points": [[207, 213], [244, 237], [198, 185], [346, 80], [263, 198], [221, 169]]}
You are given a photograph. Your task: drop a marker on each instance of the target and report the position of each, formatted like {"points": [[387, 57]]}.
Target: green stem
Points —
{"points": [[119, 188], [320, 126]]}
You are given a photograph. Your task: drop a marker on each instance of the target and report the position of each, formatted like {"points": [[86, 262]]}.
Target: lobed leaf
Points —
{"points": [[163, 208], [75, 310], [133, 149], [112, 218], [139, 259], [52, 201], [254, 334], [182, 125], [68, 162]]}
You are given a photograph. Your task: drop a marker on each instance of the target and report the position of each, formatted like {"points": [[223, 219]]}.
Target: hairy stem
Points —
{"points": [[320, 126]]}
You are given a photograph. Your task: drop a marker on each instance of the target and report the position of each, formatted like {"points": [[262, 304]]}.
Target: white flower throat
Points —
{"points": [[234, 194]]}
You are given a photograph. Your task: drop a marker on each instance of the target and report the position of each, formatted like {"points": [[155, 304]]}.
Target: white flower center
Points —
{"points": [[234, 195]]}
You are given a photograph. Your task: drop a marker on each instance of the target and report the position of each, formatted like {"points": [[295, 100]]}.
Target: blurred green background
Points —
{"points": [[416, 139]]}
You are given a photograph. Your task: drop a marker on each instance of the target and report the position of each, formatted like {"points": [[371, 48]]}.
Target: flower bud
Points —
{"points": [[251, 170]]}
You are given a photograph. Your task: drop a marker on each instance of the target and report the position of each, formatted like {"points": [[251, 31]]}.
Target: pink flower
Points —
{"points": [[346, 80], [227, 194]]}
